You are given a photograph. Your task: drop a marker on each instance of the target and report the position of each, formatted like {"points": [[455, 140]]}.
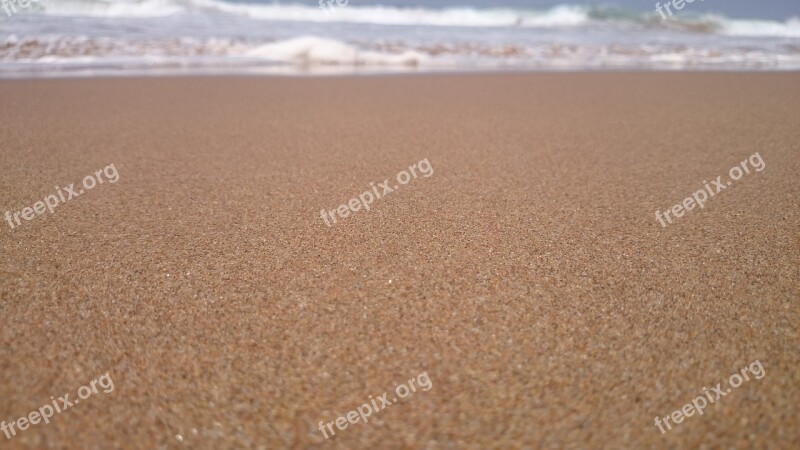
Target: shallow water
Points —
{"points": [[58, 38]]}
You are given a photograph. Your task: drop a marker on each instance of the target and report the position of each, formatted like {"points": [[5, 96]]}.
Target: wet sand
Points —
{"points": [[527, 276]]}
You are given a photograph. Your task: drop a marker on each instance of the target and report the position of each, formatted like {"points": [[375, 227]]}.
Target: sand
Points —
{"points": [[527, 276]]}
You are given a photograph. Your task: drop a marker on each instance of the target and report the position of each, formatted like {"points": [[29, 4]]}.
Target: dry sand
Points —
{"points": [[528, 276]]}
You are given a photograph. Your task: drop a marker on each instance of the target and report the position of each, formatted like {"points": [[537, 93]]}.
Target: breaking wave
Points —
{"points": [[561, 16]]}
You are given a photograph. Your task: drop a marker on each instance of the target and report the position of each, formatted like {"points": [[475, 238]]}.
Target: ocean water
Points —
{"points": [[90, 38]]}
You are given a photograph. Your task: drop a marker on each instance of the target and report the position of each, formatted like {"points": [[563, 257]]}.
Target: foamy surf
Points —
{"points": [[189, 36], [555, 17], [315, 50]]}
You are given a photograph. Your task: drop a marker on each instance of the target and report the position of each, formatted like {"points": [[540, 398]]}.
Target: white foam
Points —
{"points": [[316, 50], [563, 15], [201, 34], [755, 28], [559, 16], [120, 8]]}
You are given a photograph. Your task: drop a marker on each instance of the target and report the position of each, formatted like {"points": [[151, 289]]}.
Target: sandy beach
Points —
{"points": [[527, 275]]}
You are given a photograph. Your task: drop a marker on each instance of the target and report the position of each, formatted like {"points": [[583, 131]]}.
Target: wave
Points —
{"points": [[564, 15], [759, 28], [560, 16], [315, 53], [316, 50]]}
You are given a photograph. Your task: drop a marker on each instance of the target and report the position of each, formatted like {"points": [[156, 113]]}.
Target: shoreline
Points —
{"points": [[256, 73]]}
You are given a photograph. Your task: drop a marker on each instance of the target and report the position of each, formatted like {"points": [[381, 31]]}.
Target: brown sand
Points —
{"points": [[528, 276]]}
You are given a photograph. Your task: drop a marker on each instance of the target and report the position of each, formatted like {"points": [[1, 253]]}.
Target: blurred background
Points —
{"points": [[99, 37]]}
